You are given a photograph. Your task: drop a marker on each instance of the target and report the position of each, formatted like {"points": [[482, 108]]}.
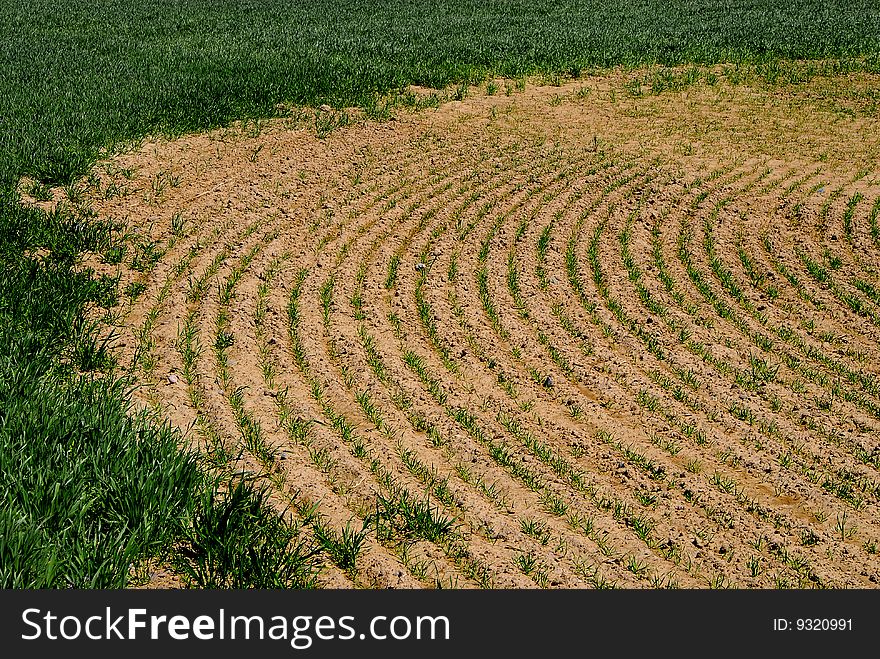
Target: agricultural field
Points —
{"points": [[583, 335], [493, 295]]}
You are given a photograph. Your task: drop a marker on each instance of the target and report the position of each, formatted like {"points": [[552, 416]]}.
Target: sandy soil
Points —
{"points": [[621, 340]]}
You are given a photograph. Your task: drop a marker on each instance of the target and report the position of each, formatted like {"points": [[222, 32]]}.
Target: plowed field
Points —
{"points": [[573, 336]]}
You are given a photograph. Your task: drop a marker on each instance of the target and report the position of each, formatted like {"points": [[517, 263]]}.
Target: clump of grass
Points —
{"points": [[399, 515], [40, 191], [343, 548], [233, 543], [536, 529]]}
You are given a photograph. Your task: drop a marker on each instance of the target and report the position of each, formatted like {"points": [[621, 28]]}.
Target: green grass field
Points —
{"points": [[92, 490]]}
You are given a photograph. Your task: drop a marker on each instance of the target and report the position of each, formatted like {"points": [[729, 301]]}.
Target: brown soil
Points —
{"points": [[630, 373]]}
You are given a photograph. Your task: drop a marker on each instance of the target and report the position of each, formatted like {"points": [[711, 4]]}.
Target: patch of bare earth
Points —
{"points": [[616, 340]]}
